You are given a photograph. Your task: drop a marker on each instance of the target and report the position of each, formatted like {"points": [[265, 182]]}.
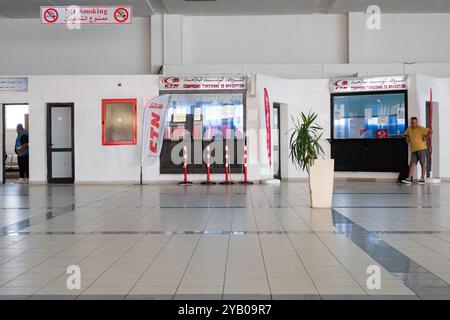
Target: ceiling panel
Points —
{"points": [[30, 8]]}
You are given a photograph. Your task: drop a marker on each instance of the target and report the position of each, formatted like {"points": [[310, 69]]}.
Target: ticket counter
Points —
{"points": [[367, 125], [204, 111]]}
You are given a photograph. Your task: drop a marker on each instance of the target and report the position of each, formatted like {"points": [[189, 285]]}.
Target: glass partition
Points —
{"points": [[369, 116], [209, 118], [205, 116]]}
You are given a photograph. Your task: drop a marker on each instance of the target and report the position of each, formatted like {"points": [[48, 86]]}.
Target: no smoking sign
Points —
{"points": [[87, 15], [51, 15], [121, 15]]}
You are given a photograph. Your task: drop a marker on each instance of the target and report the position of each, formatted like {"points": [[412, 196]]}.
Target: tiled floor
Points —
{"points": [[224, 242]]}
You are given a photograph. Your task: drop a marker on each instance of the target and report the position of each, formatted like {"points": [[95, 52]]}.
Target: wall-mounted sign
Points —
{"points": [[13, 84], [383, 120], [382, 134], [86, 14], [202, 83], [339, 112], [369, 84]]}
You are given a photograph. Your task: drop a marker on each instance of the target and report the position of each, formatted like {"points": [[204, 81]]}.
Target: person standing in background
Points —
{"points": [[417, 137], [22, 151]]}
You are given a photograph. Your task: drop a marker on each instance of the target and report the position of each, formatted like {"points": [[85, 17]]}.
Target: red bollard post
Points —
{"points": [[245, 170], [227, 166], [185, 167], [208, 167]]}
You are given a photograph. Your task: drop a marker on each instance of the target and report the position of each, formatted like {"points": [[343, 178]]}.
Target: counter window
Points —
{"points": [[119, 122], [203, 118], [212, 116], [369, 116]]}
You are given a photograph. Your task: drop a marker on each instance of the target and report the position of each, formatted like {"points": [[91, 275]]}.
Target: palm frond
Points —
{"points": [[304, 140]]}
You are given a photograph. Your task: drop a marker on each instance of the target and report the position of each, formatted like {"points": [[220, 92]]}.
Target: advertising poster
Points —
{"points": [[153, 126]]}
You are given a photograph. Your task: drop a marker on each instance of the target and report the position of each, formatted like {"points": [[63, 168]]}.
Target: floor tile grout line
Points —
{"points": [[277, 200], [150, 264], [3, 233], [337, 259], [4, 262], [425, 247], [262, 251], [393, 248], [296, 252], [72, 244], [404, 233], [106, 269], [343, 266], [218, 232], [34, 266], [190, 258], [226, 259]]}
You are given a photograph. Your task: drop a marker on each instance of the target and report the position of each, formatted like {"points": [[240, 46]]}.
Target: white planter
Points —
{"points": [[321, 177]]}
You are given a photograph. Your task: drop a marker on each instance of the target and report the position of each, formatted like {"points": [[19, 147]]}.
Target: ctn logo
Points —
{"points": [[171, 82], [341, 83], [154, 132]]}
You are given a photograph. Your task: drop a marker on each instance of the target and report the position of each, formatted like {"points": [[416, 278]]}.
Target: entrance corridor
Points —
{"points": [[224, 242]]}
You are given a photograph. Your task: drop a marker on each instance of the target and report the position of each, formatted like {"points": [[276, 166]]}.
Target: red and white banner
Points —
{"points": [[153, 127], [73, 15], [235, 82], [268, 125], [369, 84]]}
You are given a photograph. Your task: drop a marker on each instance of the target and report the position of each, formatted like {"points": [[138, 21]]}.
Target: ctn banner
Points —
{"points": [[153, 127]]}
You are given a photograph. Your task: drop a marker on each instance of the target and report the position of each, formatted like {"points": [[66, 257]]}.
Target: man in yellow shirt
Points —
{"points": [[417, 137]]}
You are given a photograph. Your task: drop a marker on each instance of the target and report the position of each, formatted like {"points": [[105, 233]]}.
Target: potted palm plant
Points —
{"points": [[305, 151]]}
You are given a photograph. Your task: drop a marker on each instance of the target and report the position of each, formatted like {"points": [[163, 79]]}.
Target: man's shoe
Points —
{"points": [[421, 181], [406, 181], [21, 181]]}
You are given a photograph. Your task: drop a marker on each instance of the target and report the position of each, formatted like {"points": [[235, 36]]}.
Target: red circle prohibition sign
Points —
{"points": [[121, 15], [51, 15]]}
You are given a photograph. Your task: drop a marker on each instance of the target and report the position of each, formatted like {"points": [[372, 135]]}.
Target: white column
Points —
{"points": [[173, 44], [356, 37], [156, 43]]}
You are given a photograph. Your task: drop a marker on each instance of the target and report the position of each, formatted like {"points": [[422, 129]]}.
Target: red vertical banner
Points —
{"points": [[268, 125], [431, 128]]}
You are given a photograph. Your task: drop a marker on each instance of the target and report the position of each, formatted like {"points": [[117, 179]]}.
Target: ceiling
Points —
{"points": [[30, 8]]}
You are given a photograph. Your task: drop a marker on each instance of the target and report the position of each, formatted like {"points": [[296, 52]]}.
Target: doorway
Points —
{"points": [[60, 143], [276, 141], [12, 115]]}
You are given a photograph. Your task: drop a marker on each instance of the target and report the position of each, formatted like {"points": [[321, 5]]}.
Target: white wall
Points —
{"points": [[444, 128], [97, 163], [296, 96], [302, 95], [29, 48], [264, 39], [308, 46], [402, 38], [93, 161]]}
